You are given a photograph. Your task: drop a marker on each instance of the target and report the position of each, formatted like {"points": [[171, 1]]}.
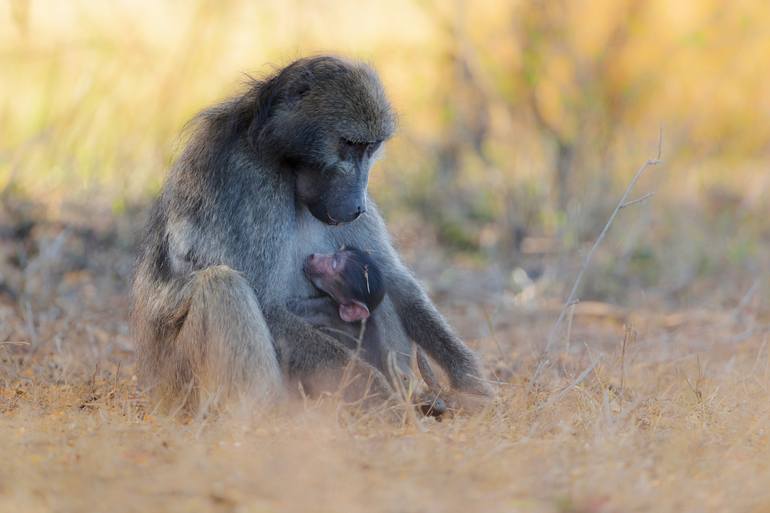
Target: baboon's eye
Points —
{"points": [[373, 147], [354, 148]]}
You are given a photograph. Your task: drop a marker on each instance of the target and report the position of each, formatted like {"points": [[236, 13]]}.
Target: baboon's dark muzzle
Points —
{"points": [[338, 215]]}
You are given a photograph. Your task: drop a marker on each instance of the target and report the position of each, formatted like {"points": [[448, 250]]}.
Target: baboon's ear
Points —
{"points": [[270, 94], [299, 87], [266, 95], [354, 311]]}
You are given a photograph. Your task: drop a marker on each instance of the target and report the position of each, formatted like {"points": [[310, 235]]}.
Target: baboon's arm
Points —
{"points": [[421, 320], [323, 313], [427, 327]]}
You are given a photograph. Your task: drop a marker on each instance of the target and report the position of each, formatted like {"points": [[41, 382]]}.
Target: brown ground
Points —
{"points": [[677, 422]]}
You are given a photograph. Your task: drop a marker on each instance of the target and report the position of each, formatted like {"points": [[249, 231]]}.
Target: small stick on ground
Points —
{"points": [[569, 327], [543, 361], [629, 336], [583, 375]]}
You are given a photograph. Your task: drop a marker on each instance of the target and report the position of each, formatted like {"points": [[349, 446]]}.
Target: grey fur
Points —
{"points": [[365, 336], [225, 242]]}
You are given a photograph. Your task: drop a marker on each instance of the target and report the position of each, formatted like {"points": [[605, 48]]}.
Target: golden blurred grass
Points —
{"points": [[96, 93], [95, 96]]}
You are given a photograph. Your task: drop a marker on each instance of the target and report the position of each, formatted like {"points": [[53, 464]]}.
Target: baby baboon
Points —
{"points": [[354, 288], [352, 279], [265, 178]]}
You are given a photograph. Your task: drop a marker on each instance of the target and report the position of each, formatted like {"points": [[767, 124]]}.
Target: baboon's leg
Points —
{"points": [[225, 344]]}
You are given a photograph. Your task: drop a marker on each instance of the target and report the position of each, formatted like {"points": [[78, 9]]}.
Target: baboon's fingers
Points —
{"points": [[427, 372], [433, 407]]}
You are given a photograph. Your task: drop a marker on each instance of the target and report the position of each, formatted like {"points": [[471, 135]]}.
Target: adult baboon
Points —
{"points": [[267, 178]]}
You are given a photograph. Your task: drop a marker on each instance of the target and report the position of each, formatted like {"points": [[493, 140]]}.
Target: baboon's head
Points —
{"points": [[324, 119]]}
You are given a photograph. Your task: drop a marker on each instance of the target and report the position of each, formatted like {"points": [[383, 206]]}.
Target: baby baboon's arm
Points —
{"points": [[308, 350], [323, 313], [317, 311]]}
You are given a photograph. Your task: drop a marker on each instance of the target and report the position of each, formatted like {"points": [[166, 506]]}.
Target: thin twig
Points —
{"points": [[637, 200], [583, 375], [29, 321], [745, 300], [569, 327], [492, 333], [543, 361], [629, 336]]}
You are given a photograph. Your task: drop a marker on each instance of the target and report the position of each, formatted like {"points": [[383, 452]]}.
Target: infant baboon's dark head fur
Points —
{"points": [[351, 277]]}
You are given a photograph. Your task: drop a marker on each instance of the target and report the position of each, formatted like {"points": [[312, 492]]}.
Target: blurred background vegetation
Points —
{"points": [[521, 122]]}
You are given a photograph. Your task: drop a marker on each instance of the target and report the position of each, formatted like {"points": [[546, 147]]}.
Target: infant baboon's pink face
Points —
{"points": [[325, 271], [345, 278], [324, 265]]}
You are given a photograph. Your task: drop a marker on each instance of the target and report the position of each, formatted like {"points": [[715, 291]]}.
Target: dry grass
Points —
{"points": [[679, 426]]}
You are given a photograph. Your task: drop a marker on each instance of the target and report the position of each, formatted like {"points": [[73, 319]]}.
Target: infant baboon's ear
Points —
{"points": [[354, 311]]}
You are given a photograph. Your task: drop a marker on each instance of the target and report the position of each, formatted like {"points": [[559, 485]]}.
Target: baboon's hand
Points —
{"points": [[474, 385], [431, 332], [432, 406]]}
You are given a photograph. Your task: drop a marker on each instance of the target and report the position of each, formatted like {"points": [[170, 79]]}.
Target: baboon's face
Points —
{"points": [[336, 192], [328, 129]]}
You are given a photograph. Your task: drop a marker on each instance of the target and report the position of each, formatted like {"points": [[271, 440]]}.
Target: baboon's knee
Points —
{"points": [[226, 341], [218, 274]]}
